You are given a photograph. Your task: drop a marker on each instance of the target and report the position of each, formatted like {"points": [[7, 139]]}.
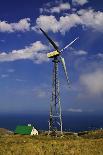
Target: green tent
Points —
{"points": [[23, 130]]}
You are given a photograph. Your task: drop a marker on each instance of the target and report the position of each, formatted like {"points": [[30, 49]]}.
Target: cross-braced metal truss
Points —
{"points": [[55, 122]]}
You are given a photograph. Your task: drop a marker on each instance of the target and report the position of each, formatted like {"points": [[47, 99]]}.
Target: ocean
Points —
{"points": [[71, 122]]}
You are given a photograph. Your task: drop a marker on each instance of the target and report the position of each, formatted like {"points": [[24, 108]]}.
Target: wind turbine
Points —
{"points": [[55, 121]]}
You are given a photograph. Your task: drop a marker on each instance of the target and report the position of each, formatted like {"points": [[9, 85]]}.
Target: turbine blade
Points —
{"points": [[65, 70], [50, 40], [69, 44]]}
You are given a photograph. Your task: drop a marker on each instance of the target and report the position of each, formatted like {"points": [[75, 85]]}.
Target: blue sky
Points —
{"points": [[25, 71]]}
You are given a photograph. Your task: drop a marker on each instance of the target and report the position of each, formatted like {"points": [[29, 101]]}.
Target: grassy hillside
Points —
{"points": [[87, 143]]}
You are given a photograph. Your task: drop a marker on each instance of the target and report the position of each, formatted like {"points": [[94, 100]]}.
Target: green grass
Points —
{"points": [[87, 143]]}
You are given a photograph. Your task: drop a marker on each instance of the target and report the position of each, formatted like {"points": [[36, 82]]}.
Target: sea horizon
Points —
{"points": [[71, 122]]}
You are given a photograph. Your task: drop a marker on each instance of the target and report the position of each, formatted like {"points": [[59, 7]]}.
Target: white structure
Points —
{"points": [[34, 132]]}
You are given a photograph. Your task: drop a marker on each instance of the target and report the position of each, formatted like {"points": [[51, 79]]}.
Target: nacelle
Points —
{"points": [[53, 54]]}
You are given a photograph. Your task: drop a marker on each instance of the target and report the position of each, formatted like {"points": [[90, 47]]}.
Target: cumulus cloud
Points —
{"points": [[79, 2], [22, 25], [67, 22], [35, 52], [47, 23], [93, 82], [61, 7], [50, 23], [86, 18], [92, 19], [5, 27], [56, 9]]}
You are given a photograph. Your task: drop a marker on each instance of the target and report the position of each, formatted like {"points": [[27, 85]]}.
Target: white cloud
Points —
{"points": [[75, 110], [5, 27], [11, 70], [93, 82], [47, 23], [3, 41], [50, 23], [41, 91], [100, 55], [61, 7], [22, 25], [80, 52], [92, 19], [4, 75], [56, 9], [79, 2], [35, 52], [87, 18], [67, 22], [20, 80]]}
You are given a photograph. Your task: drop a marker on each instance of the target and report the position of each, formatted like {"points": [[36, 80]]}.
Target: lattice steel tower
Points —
{"points": [[55, 122]]}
